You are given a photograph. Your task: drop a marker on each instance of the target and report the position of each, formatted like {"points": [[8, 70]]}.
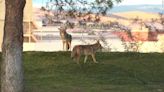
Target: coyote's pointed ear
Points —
{"points": [[98, 41], [60, 28], [64, 28]]}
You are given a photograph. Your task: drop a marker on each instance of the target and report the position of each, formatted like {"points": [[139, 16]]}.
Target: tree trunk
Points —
{"points": [[12, 47]]}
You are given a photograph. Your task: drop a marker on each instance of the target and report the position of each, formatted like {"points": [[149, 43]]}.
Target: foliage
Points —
{"points": [[96, 6], [132, 46]]}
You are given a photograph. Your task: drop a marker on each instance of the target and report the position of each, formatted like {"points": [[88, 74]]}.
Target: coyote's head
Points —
{"points": [[62, 31], [98, 45]]}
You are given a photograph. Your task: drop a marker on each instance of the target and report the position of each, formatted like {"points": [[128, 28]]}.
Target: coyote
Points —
{"points": [[66, 38], [86, 50]]}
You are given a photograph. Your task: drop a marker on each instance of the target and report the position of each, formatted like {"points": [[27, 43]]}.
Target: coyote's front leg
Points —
{"points": [[94, 59]]}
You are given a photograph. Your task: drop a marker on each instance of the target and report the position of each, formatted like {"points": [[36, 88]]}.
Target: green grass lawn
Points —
{"points": [[115, 72]]}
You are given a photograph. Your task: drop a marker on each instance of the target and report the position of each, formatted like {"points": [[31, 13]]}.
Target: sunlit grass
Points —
{"points": [[115, 72]]}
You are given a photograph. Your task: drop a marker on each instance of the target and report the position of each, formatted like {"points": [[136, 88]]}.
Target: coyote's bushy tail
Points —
{"points": [[69, 42], [68, 47]]}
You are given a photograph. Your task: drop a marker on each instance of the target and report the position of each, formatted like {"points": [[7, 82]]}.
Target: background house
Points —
{"points": [[2, 16], [27, 22]]}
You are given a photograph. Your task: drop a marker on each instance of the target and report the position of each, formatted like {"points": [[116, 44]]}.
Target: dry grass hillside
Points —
{"points": [[124, 17], [139, 14]]}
